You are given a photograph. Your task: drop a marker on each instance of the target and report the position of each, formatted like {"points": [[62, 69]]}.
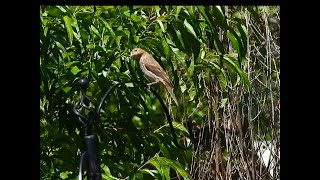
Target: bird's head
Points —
{"points": [[137, 53]]}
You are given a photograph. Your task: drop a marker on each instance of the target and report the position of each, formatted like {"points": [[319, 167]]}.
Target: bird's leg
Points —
{"points": [[155, 82]]}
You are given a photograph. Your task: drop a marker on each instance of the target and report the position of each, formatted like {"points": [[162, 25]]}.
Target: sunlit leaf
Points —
{"points": [[96, 31], [90, 46], [136, 38], [162, 166], [107, 175], [64, 175], [177, 10], [108, 27], [191, 66], [208, 17], [230, 61], [135, 18], [161, 25], [223, 102], [147, 171], [233, 40], [67, 89], [192, 93], [55, 11], [137, 122], [176, 125], [190, 28], [75, 70], [179, 168], [165, 47], [68, 22]]}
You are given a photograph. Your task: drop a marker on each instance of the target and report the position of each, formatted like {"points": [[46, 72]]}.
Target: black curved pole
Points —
{"points": [[174, 136], [82, 160], [90, 157]]}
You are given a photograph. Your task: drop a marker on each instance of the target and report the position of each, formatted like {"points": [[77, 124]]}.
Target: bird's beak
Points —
{"points": [[131, 54]]}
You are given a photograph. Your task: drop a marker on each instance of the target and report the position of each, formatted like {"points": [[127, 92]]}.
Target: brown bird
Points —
{"points": [[152, 69]]}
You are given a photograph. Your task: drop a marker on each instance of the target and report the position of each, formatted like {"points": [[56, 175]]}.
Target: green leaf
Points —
{"points": [[177, 10], [108, 7], [162, 167], [90, 46], [179, 168], [176, 125], [137, 122], [42, 106], [105, 40], [223, 80], [67, 89], [164, 148], [135, 18], [118, 39], [192, 93], [95, 30], [223, 102], [157, 8], [136, 38], [234, 41], [55, 11], [61, 46], [244, 35], [177, 40], [127, 13], [75, 70], [166, 47], [147, 171], [64, 175], [230, 61], [244, 29], [217, 11], [183, 88], [190, 28], [68, 22], [237, 43], [161, 25], [107, 175], [205, 13], [107, 25], [191, 66], [268, 136], [236, 14], [67, 54], [178, 33], [179, 126]]}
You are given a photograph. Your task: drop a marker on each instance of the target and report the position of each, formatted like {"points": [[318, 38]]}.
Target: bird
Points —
{"points": [[153, 70]]}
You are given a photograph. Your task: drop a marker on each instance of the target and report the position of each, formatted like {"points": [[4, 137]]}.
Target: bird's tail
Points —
{"points": [[169, 89]]}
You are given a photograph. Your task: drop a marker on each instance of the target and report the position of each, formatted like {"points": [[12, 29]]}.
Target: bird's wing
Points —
{"points": [[153, 66]]}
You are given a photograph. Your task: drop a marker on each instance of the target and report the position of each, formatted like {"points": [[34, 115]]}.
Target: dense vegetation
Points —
{"points": [[224, 63]]}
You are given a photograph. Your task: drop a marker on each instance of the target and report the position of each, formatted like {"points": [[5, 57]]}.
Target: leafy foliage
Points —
{"points": [[200, 46]]}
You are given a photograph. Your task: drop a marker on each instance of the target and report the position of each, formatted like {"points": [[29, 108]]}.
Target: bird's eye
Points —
{"points": [[135, 50]]}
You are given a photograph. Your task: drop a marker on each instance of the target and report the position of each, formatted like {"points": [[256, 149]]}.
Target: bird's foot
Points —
{"points": [[147, 87], [152, 83]]}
